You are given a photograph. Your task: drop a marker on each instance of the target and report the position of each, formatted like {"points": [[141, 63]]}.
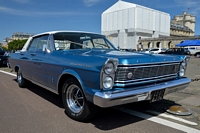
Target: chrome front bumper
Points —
{"points": [[122, 96]]}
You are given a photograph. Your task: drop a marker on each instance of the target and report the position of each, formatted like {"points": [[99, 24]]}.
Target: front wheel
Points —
{"points": [[198, 55], [75, 103], [22, 82]]}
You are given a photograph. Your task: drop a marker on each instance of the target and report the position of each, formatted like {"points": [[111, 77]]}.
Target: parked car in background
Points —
{"points": [[3, 57], [177, 51], [197, 54], [144, 50], [129, 50], [194, 50], [156, 50], [89, 72]]}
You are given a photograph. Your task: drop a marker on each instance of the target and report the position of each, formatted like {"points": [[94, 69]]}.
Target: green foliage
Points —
{"points": [[4, 48], [16, 44]]}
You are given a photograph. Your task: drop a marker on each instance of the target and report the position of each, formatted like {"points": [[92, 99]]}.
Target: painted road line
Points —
{"points": [[159, 120], [172, 117], [9, 73]]}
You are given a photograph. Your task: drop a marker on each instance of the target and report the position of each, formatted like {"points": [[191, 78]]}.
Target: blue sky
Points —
{"points": [[36, 16]]}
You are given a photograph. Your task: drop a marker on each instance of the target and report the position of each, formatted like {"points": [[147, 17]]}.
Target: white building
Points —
{"points": [[124, 23]]}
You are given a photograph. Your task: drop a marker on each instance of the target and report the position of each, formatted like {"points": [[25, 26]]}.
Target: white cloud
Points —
{"points": [[41, 13], [9, 10], [90, 2]]}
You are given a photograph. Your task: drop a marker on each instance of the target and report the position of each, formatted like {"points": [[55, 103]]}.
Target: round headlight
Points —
{"points": [[182, 72], [107, 82], [183, 64], [109, 68]]}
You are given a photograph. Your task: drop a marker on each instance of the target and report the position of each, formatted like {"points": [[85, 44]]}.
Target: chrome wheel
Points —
{"points": [[19, 78], [198, 55], [74, 98], [22, 82], [76, 105]]}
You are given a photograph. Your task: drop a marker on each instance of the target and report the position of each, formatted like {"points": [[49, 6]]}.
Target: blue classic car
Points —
{"points": [[89, 72]]}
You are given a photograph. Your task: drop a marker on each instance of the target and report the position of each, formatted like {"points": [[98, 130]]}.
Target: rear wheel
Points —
{"points": [[75, 103], [198, 55], [22, 82]]}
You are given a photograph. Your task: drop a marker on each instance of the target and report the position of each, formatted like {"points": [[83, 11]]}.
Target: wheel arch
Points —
{"points": [[17, 68], [197, 53], [66, 75]]}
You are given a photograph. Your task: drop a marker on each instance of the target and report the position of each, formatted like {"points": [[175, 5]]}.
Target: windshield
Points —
{"points": [[64, 41]]}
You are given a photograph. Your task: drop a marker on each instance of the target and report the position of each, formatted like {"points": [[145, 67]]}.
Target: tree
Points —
{"points": [[4, 48], [16, 44]]}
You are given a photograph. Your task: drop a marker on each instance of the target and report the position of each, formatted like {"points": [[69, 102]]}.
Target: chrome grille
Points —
{"points": [[147, 72]]}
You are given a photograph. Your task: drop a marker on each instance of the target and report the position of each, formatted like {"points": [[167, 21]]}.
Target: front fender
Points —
{"points": [[74, 74], [88, 92]]}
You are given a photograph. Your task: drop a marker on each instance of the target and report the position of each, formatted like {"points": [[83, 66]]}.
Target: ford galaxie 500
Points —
{"points": [[88, 71]]}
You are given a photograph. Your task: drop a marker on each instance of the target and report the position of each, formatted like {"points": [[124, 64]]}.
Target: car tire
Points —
{"points": [[22, 82], [198, 55], [75, 103]]}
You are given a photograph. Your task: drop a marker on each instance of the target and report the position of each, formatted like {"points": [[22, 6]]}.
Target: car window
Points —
{"points": [[64, 41], [39, 44], [88, 43], [154, 49], [1, 49], [100, 43], [192, 48], [33, 45], [42, 43]]}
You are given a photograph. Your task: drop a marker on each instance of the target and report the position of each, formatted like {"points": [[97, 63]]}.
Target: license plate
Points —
{"points": [[157, 95]]}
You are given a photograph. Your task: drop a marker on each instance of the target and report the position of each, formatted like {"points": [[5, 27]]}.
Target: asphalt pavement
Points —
{"points": [[188, 98]]}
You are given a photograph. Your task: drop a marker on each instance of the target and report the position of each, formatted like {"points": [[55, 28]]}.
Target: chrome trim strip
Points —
{"points": [[142, 82], [139, 66], [135, 94], [151, 63], [138, 80]]}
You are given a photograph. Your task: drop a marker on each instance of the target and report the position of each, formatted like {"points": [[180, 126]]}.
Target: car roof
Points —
{"points": [[53, 32], [61, 31]]}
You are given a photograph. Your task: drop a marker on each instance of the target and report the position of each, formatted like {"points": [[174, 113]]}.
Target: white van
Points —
{"points": [[193, 49]]}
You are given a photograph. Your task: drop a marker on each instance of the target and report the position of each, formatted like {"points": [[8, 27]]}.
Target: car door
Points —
{"points": [[25, 59], [39, 60], [24, 64]]}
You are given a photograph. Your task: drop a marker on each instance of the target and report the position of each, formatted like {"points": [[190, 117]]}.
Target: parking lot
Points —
{"points": [[35, 109], [188, 98]]}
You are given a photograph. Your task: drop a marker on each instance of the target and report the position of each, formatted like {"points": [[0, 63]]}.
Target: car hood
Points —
{"points": [[127, 58]]}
